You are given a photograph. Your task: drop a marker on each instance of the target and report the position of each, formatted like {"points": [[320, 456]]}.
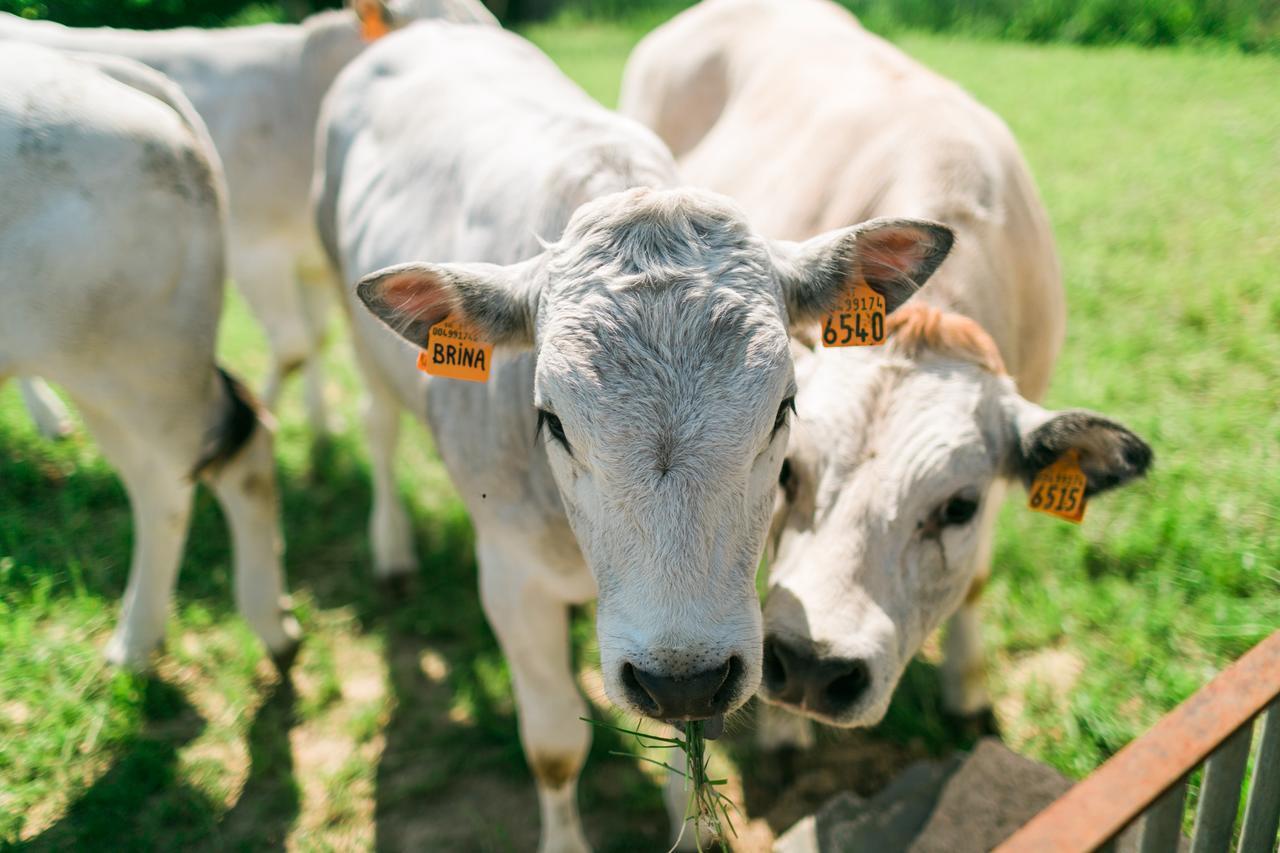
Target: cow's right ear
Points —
{"points": [[893, 256], [499, 302], [375, 18]]}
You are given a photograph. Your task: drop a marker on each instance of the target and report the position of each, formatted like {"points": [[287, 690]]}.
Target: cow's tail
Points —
{"points": [[239, 416]]}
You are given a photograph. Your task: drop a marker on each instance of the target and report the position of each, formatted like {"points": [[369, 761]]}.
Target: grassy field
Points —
{"points": [[1162, 173]]}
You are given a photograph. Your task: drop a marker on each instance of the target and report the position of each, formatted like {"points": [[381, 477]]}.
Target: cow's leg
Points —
{"points": [[316, 290], [964, 673], [160, 494], [390, 529], [533, 628], [777, 728], [245, 485], [49, 414], [265, 275]]}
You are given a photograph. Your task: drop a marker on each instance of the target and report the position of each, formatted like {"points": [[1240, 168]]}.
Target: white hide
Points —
{"points": [[111, 276]]}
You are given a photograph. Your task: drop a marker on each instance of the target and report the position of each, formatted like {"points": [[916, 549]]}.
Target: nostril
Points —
{"points": [[729, 687], [775, 668], [636, 691], [847, 688]]}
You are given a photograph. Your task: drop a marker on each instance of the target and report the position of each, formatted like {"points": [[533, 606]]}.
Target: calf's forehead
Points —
{"points": [[909, 423]]}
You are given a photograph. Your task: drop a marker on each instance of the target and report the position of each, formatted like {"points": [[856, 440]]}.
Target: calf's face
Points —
{"points": [[664, 388], [897, 465]]}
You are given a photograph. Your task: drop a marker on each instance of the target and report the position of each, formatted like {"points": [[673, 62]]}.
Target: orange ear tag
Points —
{"points": [[455, 351], [857, 320], [1059, 489], [372, 24]]}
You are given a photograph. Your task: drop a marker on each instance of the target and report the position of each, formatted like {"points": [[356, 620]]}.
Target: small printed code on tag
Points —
{"points": [[1060, 489], [455, 351], [858, 321]]}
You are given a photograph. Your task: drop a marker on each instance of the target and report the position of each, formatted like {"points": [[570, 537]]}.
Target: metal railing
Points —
{"points": [[1143, 787]]}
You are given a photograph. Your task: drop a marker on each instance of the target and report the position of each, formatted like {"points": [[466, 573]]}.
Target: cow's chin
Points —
{"points": [[862, 716]]}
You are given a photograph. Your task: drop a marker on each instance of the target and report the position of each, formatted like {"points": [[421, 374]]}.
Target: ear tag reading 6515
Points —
{"points": [[857, 321], [1059, 489], [454, 350]]}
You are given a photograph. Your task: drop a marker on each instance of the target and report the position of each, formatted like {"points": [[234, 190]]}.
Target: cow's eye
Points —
{"points": [[554, 427], [788, 405], [788, 480], [960, 509]]}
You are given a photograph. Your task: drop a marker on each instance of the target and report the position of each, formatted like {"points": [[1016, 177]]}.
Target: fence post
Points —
{"points": [[1220, 793]]}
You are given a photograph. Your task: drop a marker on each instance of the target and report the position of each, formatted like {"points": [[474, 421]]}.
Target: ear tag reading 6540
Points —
{"points": [[454, 350], [1059, 489], [858, 319]]}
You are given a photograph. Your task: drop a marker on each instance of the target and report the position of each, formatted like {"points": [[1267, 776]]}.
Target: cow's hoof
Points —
{"points": [[283, 660], [396, 586], [134, 657], [975, 726]]}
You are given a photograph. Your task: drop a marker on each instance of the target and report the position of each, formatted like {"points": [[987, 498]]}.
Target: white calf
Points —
{"points": [[258, 90], [111, 276], [628, 440], [902, 453]]}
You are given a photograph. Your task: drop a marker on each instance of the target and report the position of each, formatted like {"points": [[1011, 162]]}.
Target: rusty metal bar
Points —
{"points": [[1162, 825], [1097, 808], [1220, 793], [1262, 814]]}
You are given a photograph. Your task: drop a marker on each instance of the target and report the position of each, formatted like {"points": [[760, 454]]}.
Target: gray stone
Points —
{"points": [[886, 822], [993, 793]]}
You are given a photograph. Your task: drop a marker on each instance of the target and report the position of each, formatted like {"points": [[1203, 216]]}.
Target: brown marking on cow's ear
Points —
{"points": [[918, 327], [554, 771], [235, 426], [976, 589]]}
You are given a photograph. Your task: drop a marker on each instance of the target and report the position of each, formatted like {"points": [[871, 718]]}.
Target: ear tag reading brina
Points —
{"points": [[857, 321], [1059, 489], [455, 351]]}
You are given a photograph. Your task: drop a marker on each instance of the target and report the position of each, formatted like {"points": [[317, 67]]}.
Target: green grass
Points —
{"points": [[1162, 175]]}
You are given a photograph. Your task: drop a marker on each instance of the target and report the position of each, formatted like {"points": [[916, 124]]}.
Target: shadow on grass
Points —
{"points": [[451, 773]]}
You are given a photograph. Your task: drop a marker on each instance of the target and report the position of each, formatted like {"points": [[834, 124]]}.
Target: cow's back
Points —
{"points": [[448, 142], [258, 89], [816, 123], [98, 155]]}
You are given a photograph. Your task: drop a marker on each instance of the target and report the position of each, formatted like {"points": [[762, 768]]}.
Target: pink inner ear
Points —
{"points": [[418, 296], [893, 251]]}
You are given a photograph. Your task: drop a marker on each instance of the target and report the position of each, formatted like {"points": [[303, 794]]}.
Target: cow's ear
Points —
{"points": [[1110, 453], [894, 256], [374, 16], [499, 302]]}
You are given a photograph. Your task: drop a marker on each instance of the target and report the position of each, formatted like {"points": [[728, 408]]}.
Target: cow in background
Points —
{"points": [[258, 89], [111, 276]]}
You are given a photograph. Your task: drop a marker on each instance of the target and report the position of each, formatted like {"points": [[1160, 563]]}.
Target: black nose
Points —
{"points": [[829, 686], [695, 697]]}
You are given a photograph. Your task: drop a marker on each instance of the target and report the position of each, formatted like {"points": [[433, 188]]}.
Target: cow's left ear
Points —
{"points": [[375, 18], [1110, 453], [499, 302], [894, 256]]}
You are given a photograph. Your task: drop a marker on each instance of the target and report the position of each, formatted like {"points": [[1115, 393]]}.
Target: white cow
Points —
{"points": [[628, 441], [902, 453], [258, 90], [111, 276]]}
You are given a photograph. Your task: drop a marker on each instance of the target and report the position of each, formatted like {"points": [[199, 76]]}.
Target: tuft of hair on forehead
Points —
{"points": [[651, 232], [918, 327]]}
